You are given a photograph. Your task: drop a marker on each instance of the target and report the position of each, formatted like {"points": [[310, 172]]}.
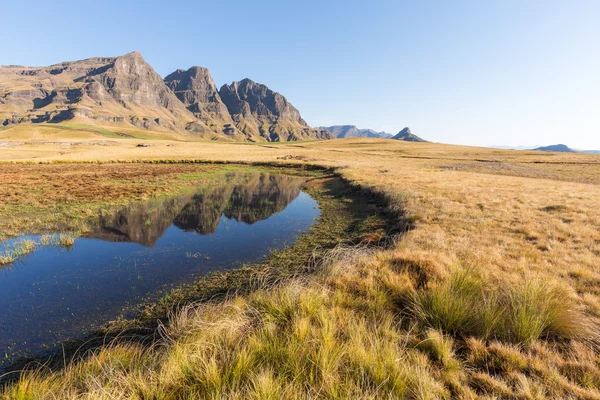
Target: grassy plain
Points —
{"points": [[494, 294]]}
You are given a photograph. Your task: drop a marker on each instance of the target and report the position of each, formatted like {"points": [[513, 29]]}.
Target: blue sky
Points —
{"points": [[470, 72]]}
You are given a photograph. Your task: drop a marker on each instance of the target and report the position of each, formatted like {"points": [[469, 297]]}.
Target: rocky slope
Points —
{"points": [[263, 114], [126, 91], [406, 135], [344, 131]]}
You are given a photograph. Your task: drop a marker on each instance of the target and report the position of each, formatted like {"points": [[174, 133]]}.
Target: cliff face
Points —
{"points": [[126, 90], [262, 114]]}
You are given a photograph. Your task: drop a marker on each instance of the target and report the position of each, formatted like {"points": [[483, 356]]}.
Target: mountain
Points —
{"points": [[561, 148], [406, 135], [344, 131], [126, 92], [262, 114]]}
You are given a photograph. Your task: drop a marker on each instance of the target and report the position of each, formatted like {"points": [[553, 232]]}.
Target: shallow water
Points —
{"points": [[136, 254]]}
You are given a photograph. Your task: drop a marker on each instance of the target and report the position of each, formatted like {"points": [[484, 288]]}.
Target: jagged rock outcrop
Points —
{"points": [[406, 135], [261, 113], [196, 89], [346, 131]]}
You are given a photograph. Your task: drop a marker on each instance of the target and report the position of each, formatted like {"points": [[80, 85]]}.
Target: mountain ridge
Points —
{"points": [[126, 91]]}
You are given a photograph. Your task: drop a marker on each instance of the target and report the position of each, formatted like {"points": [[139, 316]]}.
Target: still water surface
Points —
{"points": [[135, 254]]}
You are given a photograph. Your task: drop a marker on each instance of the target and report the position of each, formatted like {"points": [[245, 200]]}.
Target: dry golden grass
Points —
{"points": [[494, 294]]}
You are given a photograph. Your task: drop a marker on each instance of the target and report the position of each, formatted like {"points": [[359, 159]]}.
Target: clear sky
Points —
{"points": [[480, 72]]}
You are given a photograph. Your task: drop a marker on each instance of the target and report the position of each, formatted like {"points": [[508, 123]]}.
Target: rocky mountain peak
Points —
{"points": [[196, 89], [194, 85], [259, 100], [407, 136], [131, 80], [133, 63]]}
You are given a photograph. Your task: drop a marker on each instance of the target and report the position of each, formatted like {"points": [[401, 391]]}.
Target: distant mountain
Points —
{"points": [[345, 131], [126, 92], [560, 148], [504, 147], [406, 135]]}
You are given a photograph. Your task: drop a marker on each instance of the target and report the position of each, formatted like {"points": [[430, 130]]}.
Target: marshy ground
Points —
{"points": [[493, 294]]}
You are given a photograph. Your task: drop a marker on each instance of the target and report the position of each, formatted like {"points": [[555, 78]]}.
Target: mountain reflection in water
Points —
{"points": [[243, 197]]}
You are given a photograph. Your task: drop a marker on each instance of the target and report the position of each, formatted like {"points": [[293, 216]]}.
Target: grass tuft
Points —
{"points": [[451, 305], [440, 349], [520, 313], [60, 240], [537, 308], [16, 251]]}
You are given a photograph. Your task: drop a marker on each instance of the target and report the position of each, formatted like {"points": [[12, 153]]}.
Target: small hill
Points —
{"points": [[406, 135], [559, 148]]}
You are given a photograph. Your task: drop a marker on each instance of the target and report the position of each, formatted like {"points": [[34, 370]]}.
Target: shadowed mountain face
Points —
{"points": [[125, 91], [244, 197], [264, 114]]}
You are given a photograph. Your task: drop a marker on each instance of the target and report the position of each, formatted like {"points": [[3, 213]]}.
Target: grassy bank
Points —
{"points": [[494, 294]]}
